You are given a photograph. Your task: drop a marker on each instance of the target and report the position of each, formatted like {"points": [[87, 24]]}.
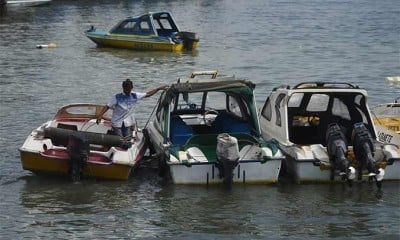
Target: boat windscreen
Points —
{"points": [[164, 24], [134, 26], [82, 111]]}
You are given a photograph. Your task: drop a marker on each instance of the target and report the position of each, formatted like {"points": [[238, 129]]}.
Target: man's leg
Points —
{"points": [[127, 135], [117, 131], [126, 132]]}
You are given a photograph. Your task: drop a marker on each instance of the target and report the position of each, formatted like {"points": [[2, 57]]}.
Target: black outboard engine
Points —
{"points": [[337, 151], [78, 151], [364, 151], [189, 39], [227, 157]]}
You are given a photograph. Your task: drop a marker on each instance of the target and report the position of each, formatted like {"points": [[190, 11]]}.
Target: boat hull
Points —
{"points": [[392, 172], [305, 171], [41, 164], [148, 44], [302, 169], [246, 172], [386, 135]]}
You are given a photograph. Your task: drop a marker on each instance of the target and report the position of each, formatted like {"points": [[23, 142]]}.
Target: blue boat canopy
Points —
{"points": [[159, 24]]}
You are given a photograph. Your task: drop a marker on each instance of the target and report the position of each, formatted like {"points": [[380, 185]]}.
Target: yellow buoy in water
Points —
{"points": [[50, 45]]}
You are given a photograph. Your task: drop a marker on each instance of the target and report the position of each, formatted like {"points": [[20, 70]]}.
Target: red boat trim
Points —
{"points": [[72, 120], [80, 120], [95, 158], [55, 153]]}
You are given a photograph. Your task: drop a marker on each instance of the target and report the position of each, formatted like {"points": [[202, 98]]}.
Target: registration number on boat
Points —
{"points": [[384, 137], [144, 45]]}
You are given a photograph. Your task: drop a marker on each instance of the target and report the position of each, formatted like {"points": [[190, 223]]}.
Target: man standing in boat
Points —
{"points": [[123, 119]]}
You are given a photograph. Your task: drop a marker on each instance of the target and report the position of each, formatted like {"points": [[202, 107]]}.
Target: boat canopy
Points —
{"points": [[243, 87], [240, 86], [158, 23], [324, 107]]}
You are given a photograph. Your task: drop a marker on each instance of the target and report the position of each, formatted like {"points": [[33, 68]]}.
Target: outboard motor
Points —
{"points": [[189, 39], [78, 151], [227, 157], [337, 151], [364, 151]]}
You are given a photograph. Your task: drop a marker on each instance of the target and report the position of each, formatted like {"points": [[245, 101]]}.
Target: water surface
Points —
{"points": [[269, 42]]}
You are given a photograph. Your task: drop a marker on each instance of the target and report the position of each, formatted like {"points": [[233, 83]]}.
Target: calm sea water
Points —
{"points": [[270, 42]]}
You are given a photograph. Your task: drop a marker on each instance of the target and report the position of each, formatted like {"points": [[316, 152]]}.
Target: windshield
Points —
{"points": [[139, 26], [309, 114]]}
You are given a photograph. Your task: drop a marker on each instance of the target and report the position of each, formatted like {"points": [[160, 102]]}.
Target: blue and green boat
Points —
{"points": [[205, 130]]}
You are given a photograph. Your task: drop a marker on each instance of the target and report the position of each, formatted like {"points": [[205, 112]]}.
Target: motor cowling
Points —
{"points": [[227, 157], [364, 151], [337, 149], [78, 152], [188, 38]]}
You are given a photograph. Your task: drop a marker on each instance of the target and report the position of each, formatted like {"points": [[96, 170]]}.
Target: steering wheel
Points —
{"points": [[208, 122]]}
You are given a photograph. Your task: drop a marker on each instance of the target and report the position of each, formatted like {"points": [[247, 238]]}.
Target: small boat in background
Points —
{"points": [[387, 121], [72, 143], [150, 31], [394, 79], [26, 3]]}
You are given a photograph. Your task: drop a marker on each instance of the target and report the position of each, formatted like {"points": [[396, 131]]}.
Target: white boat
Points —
{"points": [[26, 3], [326, 130], [73, 144], [387, 121], [205, 130], [394, 79]]}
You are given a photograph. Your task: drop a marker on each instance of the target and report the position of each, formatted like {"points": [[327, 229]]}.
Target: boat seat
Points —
{"points": [[179, 131], [224, 123], [304, 135], [164, 32], [67, 126], [207, 144]]}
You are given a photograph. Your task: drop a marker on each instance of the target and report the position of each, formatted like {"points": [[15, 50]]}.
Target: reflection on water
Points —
{"points": [[129, 55], [144, 206]]}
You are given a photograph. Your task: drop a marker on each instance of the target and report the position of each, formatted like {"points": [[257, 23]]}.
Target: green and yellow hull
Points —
{"points": [[136, 42]]}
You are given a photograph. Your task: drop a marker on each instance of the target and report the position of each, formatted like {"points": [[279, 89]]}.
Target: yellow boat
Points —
{"points": [[151, 31], [72, 143], [387, 121]]}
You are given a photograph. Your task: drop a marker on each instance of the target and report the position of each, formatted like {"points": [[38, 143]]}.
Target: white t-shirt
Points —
{"points": [[123, 111]]}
